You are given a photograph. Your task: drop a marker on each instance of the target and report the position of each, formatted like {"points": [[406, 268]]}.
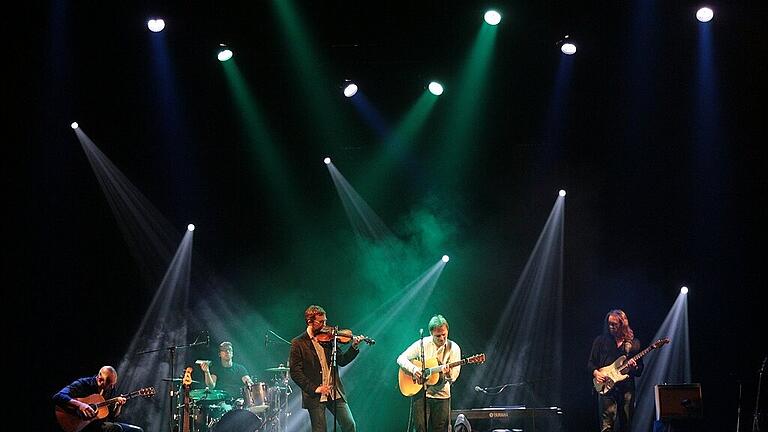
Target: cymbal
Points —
{"points": [[278, 369], [178, 380], [201, 395]]}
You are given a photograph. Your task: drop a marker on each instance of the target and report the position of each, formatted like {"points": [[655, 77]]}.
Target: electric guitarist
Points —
{"points": [[90, 417], [438, 396], [617, 406]]}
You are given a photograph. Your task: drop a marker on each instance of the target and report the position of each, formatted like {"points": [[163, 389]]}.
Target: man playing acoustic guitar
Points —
{"points": [[438, 395], [616, 406], [101, 387]]}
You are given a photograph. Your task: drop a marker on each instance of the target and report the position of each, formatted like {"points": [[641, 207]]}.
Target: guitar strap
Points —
{"points": [[446, 351]]}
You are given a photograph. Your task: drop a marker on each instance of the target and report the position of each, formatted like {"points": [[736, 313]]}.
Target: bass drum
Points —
{"points": [[238, 420]]}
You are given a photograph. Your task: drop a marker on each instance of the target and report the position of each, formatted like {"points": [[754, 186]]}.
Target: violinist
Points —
{"points": [[312, 370]]}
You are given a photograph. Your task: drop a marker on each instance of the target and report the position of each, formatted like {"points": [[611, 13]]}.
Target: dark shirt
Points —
{"points": [[605, 352], [229, 379], [79, 389], [307, 372]]}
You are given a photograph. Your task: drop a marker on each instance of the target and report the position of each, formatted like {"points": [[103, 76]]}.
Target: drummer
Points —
{"points": [[225, 374]]}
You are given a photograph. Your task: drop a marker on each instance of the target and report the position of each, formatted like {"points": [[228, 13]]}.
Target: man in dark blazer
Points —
{"points": [[311, 369]]}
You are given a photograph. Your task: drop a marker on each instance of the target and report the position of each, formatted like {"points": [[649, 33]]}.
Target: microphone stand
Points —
{"points": [[423, 374], [334, 376], [171, 363], [503, 387], [756, 415]]}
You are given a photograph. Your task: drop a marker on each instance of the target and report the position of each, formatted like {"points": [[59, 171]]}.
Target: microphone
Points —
{"points": [[266, 339], [480, 389], [207, 339]]}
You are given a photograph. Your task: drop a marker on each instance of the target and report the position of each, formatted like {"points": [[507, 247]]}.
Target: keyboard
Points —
{"points": [[518, 416]]}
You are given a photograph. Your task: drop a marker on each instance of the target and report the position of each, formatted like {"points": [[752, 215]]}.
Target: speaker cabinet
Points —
{"points": [[678, 401]]}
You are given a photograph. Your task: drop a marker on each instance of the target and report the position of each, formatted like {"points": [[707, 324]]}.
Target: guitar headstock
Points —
{"points": [[477, 358], [661, 342], [147, 392]]}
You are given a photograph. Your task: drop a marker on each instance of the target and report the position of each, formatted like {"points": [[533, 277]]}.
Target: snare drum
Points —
{"points": [[256, 397]]}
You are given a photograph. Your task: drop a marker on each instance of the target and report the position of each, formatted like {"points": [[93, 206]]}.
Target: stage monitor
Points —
{"points": [[678, 401]]}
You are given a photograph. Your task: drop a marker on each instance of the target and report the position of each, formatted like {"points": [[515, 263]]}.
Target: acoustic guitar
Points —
{"points": [[619, 371], [73, 421], [410, 385]]}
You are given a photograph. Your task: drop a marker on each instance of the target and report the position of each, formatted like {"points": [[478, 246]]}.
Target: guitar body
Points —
{"points": [[613, 375], [71, 421], [410, 385]]}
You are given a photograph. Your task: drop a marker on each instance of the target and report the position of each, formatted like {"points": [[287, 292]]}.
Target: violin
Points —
{"points": [[343, 336]]}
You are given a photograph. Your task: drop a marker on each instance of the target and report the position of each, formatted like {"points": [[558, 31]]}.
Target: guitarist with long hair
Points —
{"points": [[616, 407], [438, 395], [79, 398]]}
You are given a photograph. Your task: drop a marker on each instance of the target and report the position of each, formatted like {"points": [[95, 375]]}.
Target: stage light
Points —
{"points": [[705, 14], [74, 125], [327, 161], [191, 227], [435, 88], [562, 192], [156, 25], [568, 48], [446, 258], [224, 53], [350, 88], [684, 290], [492, 17]]}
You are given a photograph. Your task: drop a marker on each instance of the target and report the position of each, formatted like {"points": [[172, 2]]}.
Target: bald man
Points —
{"points": [[104, 384]]}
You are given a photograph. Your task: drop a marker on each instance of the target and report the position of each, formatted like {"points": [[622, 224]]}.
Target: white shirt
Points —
{"points": [[440, 390]]}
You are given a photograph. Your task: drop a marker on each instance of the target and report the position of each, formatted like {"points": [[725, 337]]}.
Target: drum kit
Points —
{"points": [[259, 407]]}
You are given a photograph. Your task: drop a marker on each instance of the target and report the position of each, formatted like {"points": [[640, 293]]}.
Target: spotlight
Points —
{"points": [[705, 14], [435, 88], [156, 25], [562, 192], [566, 47], [446, 258], [492, 17], [74, 125], [327, 161], [684, 290], [224, 53], [191, 227], [350, 88]]}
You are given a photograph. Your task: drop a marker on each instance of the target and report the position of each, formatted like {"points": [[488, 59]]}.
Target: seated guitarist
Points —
{"points": [[616, 407], [438, 397], [104, 384]]}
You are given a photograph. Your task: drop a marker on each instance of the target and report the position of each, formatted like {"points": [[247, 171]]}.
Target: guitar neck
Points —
{"points": [[114, 399], [457, 363], [643, 352]]}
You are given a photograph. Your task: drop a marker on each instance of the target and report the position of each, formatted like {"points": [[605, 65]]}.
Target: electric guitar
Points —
{"points": [[619, 371], [410, 385], [72, 421]]}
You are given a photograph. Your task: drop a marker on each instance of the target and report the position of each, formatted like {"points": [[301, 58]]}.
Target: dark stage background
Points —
{"points": [[651, 205]]}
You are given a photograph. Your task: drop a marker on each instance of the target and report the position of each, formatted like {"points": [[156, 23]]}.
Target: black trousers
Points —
{"points": [[616, 410], [438, 414]]}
